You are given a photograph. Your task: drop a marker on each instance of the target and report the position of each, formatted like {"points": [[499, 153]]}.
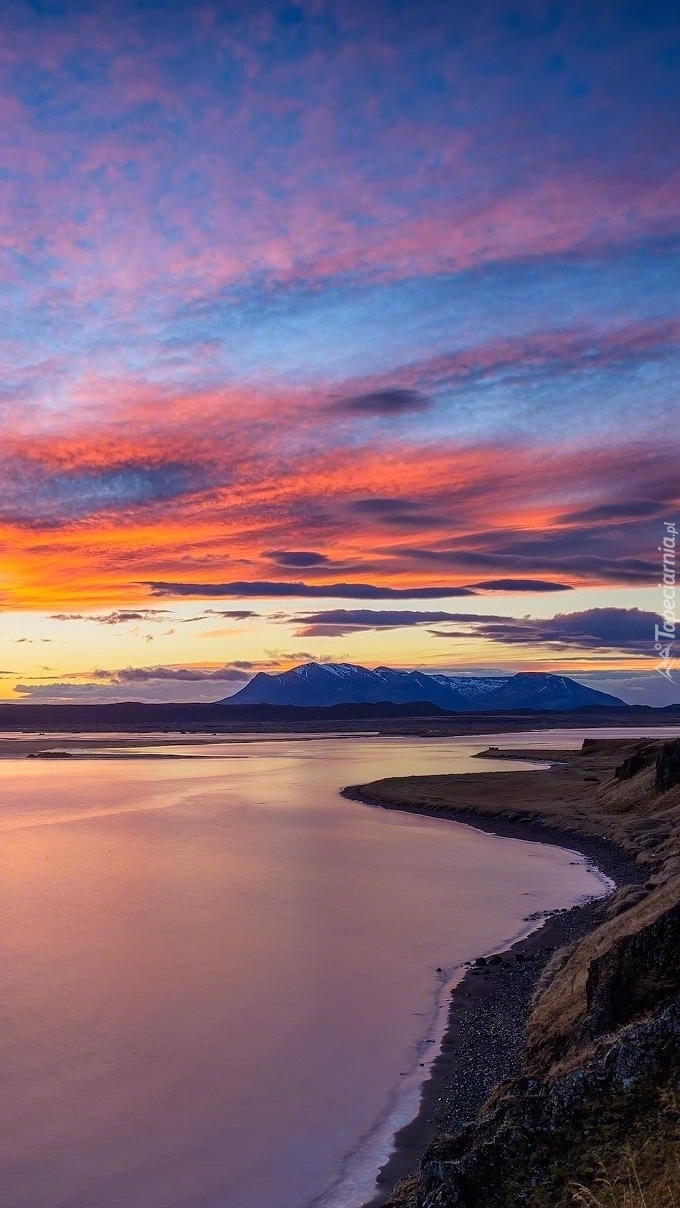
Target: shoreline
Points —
{"points": [[484, 1035]]}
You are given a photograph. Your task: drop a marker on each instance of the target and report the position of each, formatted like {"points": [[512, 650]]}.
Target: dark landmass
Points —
{"points": [[50, 755], [314, 684], [413, 717], [562, 1057]]}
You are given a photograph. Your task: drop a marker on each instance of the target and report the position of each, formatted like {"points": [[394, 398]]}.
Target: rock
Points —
{"points": [[668, 766], [637, 974], [523, 1135], [631, 895], [632, 765]]}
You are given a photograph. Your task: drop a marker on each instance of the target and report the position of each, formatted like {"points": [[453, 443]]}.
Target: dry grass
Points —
{"points": [[629, 1155], [558, 1011], [627, 1191]]}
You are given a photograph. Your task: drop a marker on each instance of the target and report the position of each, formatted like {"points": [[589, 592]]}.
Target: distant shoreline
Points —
{"points": [[87, 744], [221, 720], [483, 1041]]}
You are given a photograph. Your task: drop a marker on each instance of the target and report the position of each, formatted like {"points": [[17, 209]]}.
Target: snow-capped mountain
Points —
{"points": [[344, 683]]}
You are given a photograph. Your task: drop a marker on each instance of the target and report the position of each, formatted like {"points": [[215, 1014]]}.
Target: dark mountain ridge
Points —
{"points": [[315, 684], [406, 718]]}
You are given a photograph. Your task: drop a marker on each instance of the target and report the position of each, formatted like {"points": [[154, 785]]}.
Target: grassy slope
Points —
{"points": [[590, 1000]]}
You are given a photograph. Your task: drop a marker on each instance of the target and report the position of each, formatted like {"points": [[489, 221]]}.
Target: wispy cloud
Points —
{"points": [[337, 622], [238, 670], [595, 629], [302, 559], [382, 298], [262, 589], [123, 616], [230, 614], [35, 497], [388, 402]]}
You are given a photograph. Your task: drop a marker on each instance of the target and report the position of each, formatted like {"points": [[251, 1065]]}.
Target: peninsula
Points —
{"points": [[587, 1105]]}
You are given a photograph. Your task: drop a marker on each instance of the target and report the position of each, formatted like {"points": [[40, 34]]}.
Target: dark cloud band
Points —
{"points": [[626, 629], [320, 591]]}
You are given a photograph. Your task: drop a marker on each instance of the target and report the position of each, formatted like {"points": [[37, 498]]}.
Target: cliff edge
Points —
{"points": [[594, 1113]]}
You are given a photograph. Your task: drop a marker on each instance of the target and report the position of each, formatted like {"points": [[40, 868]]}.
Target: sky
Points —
{"points": [[335, 330]]}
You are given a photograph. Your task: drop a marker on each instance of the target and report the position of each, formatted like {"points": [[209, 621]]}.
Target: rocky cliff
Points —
{"points": [[597, 1101]]}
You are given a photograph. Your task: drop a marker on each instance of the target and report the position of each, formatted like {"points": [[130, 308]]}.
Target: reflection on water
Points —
{"points": [[214, 971]]}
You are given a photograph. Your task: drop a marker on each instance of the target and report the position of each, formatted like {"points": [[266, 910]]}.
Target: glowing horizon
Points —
{"points": [[326, 309]]}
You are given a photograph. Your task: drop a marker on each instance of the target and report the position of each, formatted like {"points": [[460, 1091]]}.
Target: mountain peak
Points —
{"points": [[320, 684]]}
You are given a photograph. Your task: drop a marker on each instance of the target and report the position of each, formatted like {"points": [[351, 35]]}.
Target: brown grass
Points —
{"points": [[560, 1002], [627, 1190]]}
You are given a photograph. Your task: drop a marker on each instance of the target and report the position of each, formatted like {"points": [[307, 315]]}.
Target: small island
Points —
{"points": [[50, 755]]}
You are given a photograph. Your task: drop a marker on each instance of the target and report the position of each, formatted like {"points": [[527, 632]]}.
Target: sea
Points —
{"points": [[219, 978]]}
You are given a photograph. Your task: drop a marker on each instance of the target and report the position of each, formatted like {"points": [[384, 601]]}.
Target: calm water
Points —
{"points": [[218, 977]]}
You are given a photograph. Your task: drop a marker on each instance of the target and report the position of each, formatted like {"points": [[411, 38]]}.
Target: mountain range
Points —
{"points": [[317, 684]]}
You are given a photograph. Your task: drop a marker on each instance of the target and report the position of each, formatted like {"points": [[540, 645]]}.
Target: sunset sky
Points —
{"points": [[337, 331]]}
